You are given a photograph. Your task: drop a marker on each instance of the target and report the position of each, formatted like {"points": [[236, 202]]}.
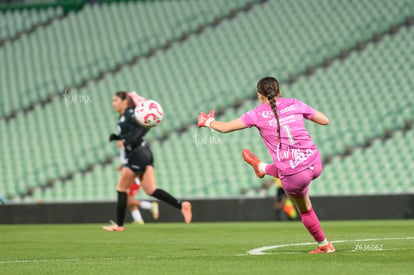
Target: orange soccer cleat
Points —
{"points": [[186, 210], [251, 159], [113, 227], [329, 248]]}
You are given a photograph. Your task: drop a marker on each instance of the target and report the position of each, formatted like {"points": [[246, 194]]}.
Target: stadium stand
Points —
{"points": [[86, 42], [14, 23], [67, 156], [386, 167]]}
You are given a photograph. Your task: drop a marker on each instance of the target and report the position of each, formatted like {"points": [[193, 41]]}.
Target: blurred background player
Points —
{"points": [[297, 160], [140, 162], [284, 208], [134, 204]]}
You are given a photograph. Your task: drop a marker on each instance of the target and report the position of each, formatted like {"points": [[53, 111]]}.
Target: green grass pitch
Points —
{"points": [[363, 247]]}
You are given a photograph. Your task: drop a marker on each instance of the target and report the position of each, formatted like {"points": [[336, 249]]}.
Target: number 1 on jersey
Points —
{"points": [[288, 134]]}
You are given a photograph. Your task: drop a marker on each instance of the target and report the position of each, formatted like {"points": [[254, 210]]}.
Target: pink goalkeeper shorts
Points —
{"points": [[296, 185]]}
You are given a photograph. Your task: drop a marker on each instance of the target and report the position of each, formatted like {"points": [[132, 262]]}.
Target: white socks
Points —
{"points": [[145, 205], [136, 215], [323, 243], [262, 167]]}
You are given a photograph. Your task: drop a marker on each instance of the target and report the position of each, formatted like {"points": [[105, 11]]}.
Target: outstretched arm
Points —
{"points": [[320, 118], [207, 120], [229, 126]]}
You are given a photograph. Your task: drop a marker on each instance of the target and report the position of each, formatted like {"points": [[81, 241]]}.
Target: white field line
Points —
{"points": [[63, 260], [262, 250]]}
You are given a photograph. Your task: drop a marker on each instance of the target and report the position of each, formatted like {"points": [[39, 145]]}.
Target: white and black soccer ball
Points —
{"points": [[149, 113]]}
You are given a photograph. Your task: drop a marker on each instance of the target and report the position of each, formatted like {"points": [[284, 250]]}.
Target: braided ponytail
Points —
{"points": [[272, 101], [269, 88]]}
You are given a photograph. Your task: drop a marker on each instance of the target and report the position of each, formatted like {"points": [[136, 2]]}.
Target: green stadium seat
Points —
{"points": [[208, 71]]}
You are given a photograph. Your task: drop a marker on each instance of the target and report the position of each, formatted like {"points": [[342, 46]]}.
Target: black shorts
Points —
{"points": [[280, 194], [138, 159]]}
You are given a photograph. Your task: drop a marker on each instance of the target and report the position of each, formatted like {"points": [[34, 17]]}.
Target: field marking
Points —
{"points": [[257, 251], [261, 250], [63, 260]]}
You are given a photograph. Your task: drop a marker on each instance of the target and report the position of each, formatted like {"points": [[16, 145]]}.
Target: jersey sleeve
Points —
{"points": [[130, 115], [307, 111], [249, 119], [131, 132]]}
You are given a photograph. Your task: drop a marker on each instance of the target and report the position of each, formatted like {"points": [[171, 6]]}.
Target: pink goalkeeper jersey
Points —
{"points": [[296, 150]]}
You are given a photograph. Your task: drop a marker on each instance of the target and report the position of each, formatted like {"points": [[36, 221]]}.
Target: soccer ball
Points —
{"points": [[149, 113]]}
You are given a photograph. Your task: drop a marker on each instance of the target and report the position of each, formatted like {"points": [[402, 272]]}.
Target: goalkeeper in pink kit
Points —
{"points": [[297, 161]]}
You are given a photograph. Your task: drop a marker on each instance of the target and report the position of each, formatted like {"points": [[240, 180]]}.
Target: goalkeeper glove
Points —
{"points": [[135, 98], [205, 120]]}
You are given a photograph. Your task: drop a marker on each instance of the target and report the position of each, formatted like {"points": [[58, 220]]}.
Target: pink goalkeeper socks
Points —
{"points": [[312, 224]]}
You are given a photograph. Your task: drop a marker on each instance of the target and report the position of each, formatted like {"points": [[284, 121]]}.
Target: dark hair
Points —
{"points": [[269, 87], [124, 96]]}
